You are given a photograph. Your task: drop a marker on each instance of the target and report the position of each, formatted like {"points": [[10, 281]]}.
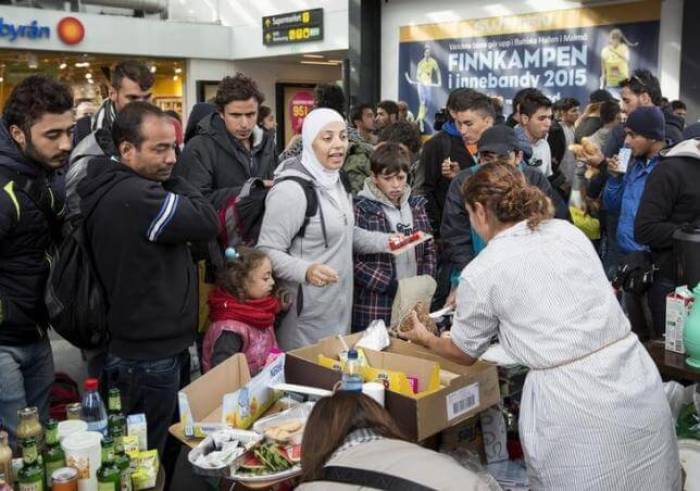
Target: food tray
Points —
{"points": [[247, 439]]}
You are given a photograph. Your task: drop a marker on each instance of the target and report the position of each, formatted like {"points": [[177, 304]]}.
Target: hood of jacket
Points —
{"points": [[373, 193], [213, 126], [674, 120], [11, 157], [103, 173], [293, 167], [97, 143], [198, 112], [686, 148]]}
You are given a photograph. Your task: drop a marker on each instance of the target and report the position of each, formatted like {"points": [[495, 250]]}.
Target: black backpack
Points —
{"points": [[241, 217], [75, 298]]}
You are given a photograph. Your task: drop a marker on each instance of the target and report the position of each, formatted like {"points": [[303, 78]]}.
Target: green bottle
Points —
{"points": [[54, 458], [31, 476], [122, 460], [116, 418], [108, 475]]}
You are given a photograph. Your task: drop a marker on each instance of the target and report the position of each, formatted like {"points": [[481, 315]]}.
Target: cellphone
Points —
{"points": [[623, 157]]}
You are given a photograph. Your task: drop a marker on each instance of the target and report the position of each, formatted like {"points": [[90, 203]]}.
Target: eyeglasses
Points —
{"points": [[534, 162]]}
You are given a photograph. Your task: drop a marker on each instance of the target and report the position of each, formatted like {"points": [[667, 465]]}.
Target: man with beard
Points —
{"points": [[35, 140]]}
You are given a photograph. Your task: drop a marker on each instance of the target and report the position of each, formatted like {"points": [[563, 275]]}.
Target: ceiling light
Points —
{"points": [[88, 75], [83, 64], [153, 69], [62, 66], [178, 70], [91, 81], [313, 56], [176, 77], [303, 62], [2, 79]]}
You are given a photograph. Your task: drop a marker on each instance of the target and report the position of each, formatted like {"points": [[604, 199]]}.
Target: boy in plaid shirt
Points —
{"points": [[385, 204]]}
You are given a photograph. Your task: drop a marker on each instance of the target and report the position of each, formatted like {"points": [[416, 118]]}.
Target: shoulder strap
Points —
{"points": [[32, 188], [311, 201], [83, 127], [372, 479]]}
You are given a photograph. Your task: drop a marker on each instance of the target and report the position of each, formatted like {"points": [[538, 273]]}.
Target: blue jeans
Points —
{"points": [[26, 375], [148, 387]]}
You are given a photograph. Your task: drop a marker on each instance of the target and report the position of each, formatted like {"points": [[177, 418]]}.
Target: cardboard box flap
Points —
{"points": [[204, 394]]}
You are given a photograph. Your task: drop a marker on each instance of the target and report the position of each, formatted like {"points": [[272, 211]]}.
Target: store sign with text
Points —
{"points": [[293, 27], [69, 30], [32, 30], [566, 53]]}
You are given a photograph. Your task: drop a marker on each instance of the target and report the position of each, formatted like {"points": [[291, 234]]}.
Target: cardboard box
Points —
{"points": [[467, 391], [678, 305], [467, 435], [201, 401]]}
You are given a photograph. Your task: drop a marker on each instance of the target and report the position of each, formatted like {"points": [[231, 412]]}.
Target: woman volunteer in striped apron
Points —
{"points": [[593, 413]]}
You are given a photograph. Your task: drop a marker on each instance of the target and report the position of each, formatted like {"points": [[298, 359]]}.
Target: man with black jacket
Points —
{"points": [[460, 244], [35, 140], [230, 147], [139, 221], [446, 153], [671, 199]]}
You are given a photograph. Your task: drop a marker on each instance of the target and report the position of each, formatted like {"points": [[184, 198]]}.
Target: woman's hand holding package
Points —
{"points": [[321, 275]]}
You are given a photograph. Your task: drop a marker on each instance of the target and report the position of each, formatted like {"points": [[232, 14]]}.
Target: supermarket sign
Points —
{"points": [[293, 27]]}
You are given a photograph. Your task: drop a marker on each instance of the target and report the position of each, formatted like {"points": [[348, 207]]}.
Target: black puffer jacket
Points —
{"points": [[25, 236], [218, 165]]}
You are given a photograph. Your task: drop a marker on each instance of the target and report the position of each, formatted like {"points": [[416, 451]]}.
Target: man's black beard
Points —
{"points": [[33, 155]]}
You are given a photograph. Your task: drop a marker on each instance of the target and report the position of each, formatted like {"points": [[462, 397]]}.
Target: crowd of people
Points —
{"points": [[505, 199]]}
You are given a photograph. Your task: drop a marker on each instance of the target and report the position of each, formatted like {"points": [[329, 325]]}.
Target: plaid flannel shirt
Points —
{"points": [[375, 274]]}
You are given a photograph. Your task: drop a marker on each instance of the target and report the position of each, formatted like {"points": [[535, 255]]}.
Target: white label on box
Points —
{"points": [[462, 401]]}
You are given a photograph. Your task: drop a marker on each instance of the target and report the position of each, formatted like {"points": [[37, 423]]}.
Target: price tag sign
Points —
{"points": [[299, 106]]}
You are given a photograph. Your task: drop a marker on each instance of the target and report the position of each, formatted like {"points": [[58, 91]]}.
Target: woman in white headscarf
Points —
{"points": [[315, 266]]}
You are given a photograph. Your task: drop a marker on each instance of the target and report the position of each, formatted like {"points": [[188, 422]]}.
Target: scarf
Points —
{"points": [[256, 313], [313, 124]]}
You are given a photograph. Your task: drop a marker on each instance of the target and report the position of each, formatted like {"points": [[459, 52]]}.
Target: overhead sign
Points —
{"points": [[32, 30], [293, 27]]}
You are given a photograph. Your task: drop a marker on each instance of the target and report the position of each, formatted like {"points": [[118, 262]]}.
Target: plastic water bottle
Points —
{"points": [[94, 412], [352, 380]]}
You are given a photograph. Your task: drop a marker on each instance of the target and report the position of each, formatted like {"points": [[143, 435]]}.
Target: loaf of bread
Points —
{"points": [[423, 314]]}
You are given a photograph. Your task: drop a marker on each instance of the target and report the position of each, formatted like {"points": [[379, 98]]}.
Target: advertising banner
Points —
{"points": [[566, 53]]}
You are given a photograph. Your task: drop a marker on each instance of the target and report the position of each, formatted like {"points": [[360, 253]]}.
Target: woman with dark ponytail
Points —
{"points": [[593, 411]]}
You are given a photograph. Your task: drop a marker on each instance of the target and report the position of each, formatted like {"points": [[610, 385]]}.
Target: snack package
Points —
{"points": [[137, 426], [393, 380], [131, 443], [146, 469], [243, 407]]}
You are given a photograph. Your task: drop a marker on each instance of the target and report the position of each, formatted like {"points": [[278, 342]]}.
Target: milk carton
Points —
{"points": [[678, 305]]}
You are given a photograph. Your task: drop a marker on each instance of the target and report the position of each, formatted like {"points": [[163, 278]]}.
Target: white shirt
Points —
{"points": [[593, 414], [542, 153]]}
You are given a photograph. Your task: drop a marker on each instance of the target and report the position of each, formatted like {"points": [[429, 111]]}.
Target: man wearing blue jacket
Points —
{"points": [[645, 136]]}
